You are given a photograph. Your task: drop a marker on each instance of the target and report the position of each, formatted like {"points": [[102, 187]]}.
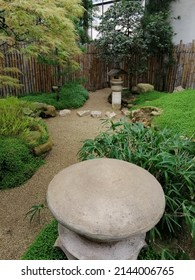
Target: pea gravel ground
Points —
{"points": [[16, 233]]}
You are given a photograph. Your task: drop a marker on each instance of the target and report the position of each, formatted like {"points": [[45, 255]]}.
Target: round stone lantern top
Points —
{"points": [[106, 199]]}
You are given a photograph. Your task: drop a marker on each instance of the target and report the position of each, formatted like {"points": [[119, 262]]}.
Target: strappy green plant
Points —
{"points": [[170, 158], [35, 212]]}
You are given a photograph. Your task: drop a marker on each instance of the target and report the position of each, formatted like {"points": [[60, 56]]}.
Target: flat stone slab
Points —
{"points": [[64, 113], [96, 114], [83, 113], [106, 199], [110, 115]]}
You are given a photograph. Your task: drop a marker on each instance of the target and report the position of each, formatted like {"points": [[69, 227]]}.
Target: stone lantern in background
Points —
{"points": [[116, 83]]}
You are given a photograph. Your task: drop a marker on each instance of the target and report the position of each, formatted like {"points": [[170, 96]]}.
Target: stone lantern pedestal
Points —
{"points": [[104, 208], [116, 87]]}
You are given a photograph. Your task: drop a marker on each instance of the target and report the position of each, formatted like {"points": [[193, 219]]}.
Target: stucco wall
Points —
{"points": [[184, 27]]}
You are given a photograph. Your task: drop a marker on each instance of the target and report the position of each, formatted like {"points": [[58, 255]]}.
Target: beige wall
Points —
{"points": [[184, 27]]}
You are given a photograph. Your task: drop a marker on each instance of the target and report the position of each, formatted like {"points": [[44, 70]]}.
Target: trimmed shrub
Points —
{"points": [[72, 95]]}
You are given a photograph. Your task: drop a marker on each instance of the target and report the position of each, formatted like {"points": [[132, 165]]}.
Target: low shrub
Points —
{"points": [[72, 95], [170, 158], [17, 164]]}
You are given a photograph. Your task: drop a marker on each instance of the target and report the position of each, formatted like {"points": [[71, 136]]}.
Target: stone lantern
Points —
{"points": [[116, 86], [104, 207]]}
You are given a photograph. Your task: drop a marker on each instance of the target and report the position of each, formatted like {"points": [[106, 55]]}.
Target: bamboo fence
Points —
{"points": [[36, 77]]}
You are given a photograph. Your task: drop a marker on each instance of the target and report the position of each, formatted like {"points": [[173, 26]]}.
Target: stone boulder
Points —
{"points": [[142, 88], [64, 113], [43, 148], [44, 110], [178, 89]]}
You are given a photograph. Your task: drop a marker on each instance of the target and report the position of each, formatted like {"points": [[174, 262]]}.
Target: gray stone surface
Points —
{"points": [[64, 113], [83, 113], [178, 89], [106, 199], [96, 114], [78, 247], [142, 87], [110, 115]]}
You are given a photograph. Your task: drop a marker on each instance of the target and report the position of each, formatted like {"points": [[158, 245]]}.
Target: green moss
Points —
{"points": [[43, 247], [178, 110], [17, 163]]}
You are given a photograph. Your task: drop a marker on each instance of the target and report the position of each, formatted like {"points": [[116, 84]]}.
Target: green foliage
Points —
{"points": [[72, 95], [126, 29], [155, 6], [17, 164], [158, 33], [82, 24], [121, 31], [162, 253], [44, 27], [5, 79], [15, 123], [178, 110], [43, 247], [35, 211], [170, 158]]}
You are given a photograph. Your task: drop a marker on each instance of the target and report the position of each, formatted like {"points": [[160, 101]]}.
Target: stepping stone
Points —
{"points": [[64, 112], [96, 114], [110, 115], [83, 113]]}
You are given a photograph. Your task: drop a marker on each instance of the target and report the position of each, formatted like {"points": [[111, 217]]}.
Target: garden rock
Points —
{"points": [[44, 110], [142, 88], [49, 112], [110, 115], [43, 148], [145, 114], [178, 89], [96, 114], [64, 113], [83, 113]]}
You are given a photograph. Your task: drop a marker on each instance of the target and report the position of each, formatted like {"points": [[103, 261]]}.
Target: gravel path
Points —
{"points": [[16, 233]]}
